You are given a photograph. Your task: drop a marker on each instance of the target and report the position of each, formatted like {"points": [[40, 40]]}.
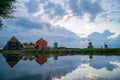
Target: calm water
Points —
{"points": [[77, 67]]}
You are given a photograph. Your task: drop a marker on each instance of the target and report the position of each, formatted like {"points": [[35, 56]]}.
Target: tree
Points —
{"points": [[31, 43], [25, 43], [6, 10]]}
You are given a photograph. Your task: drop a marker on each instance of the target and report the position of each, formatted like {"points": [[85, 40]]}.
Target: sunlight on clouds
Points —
{"points": [[87, 72], [81, 26], [115, 63], [93, 76], [76, 25], [67, 16], [58, 21], [40, 11], [58, 78]]}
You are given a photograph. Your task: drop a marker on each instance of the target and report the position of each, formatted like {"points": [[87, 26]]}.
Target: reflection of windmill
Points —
{"points": [[90, 57], [55, 57]]}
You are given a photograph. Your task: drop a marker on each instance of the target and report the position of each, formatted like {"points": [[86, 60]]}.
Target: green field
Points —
{"points": [[95, 51]]}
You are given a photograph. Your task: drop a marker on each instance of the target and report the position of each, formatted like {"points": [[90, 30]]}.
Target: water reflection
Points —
{"points": [[28, 57], [99, 63], [41, 59], [90, 57], [74, 67], [55, 57], [12, 59]]}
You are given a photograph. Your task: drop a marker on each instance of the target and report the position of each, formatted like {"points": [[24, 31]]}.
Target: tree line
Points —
{"points": [[6, 10]]}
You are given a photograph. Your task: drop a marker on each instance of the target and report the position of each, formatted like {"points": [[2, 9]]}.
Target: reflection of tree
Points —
{"points": [[12, 59], [102, 62]]}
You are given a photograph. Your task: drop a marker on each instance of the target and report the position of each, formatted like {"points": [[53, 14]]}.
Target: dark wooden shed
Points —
{"points": [[13, 44]]}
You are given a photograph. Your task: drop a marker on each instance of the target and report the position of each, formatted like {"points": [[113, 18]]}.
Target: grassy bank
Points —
{"points": [[95, 51]]}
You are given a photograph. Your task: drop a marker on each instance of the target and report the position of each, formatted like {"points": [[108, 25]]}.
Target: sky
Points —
{"points": [[71, 23]]}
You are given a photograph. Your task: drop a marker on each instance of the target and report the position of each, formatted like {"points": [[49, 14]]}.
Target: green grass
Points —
{"points": [[95, 51]]}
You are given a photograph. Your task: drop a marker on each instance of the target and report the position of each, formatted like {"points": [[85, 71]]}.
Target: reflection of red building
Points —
{"points": [[41, 44], [41, 59]]}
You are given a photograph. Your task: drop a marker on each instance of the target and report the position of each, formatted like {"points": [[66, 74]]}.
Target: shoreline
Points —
{"points": [[94, 51]]}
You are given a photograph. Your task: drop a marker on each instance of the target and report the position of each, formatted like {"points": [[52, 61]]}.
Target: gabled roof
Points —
{"points": [[13, 39], [41, 39]]}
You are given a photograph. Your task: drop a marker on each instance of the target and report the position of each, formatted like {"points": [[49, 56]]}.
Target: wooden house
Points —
{"points": [[41, 44], [13, 44]]}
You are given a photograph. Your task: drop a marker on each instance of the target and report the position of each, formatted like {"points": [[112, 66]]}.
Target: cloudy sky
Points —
{"points": [[71, 23]]}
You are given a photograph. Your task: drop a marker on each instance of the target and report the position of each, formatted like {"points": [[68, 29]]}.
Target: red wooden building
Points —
{"points": [[41, 44]]}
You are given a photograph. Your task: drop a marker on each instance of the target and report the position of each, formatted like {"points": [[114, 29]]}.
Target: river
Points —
{"points": [[71, 67]]}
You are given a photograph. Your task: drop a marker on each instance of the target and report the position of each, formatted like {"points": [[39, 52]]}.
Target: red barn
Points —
{"points": [[41, 44]]}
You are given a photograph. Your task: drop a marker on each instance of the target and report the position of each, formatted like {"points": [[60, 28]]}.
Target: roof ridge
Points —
{"points": [[13, 39]]}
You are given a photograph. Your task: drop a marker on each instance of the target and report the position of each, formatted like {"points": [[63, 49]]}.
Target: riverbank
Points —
{"points": [[95, 51]]}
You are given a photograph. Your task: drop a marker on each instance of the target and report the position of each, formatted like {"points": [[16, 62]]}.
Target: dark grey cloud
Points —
{"points": [[115, 42], [43, 1], [50, 8], [32, 6], [85, 6], [25, 23], [99, 39], [103, 35], [21, 28], [53, 9], [78, 7]]}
